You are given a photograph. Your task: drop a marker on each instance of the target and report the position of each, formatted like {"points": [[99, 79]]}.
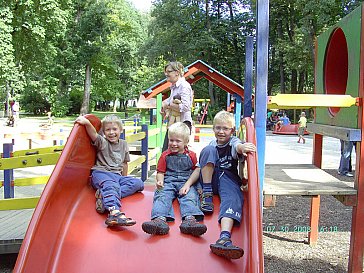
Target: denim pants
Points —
{"points": [[114, 186], [345, 159], [179, 169], [225, 184]]}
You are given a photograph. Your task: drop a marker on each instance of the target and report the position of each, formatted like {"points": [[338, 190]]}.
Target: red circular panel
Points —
{"points": [[336, 66]]}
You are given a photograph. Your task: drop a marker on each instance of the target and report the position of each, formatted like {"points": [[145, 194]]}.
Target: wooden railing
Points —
{"points": [[49, 156]]}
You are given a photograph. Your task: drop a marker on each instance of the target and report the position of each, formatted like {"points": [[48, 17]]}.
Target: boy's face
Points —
{"points": [[112, 132], [176, 144], [223, 132]]}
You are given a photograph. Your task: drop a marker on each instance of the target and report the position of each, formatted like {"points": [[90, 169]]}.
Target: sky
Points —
{"points": [[143, 5]]}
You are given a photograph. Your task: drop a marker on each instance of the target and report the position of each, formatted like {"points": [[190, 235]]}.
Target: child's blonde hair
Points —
{"points": [[224, 117], [176, 66], [111, 119], [179, 129]]}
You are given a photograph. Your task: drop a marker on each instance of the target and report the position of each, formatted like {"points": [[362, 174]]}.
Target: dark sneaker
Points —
{"points": [[99, 205], [191, 226], [224, 248], [157, 226]]}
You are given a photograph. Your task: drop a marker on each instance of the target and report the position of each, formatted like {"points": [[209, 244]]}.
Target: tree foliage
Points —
{"points": [[61, 55]]}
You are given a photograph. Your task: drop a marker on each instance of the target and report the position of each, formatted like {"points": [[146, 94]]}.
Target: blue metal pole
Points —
{"points": [[248, 83], [260, 111], [228, 100], [144, 151], [8, 174], [237, 110]]}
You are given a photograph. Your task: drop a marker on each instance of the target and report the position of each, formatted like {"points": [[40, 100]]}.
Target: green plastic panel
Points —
{"points": [[350, 26]]}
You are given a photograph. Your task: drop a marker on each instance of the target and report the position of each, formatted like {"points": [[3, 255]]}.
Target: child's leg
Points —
{"points": [[129, 185], [109, 188], [208, 159], [231, 208], [189, 204], [191, 213], [162, 202], [161, 211], [224, 246]]}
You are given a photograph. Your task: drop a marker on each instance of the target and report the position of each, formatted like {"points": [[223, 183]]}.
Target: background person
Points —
{"points": [[174, 72], [302, 123]]}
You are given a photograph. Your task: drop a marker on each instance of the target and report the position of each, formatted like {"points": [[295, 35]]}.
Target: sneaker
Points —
{"points": [[346, 174], [157, 226], [224, 248], [191, 226], [99, 205]]}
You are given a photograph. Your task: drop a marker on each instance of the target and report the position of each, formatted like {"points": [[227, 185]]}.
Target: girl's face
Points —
{"points": [[112, 132], [171, 74], [223, 131], [176, 144]]}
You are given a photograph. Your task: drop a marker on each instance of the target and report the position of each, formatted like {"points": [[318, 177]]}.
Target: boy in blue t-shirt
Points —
{"points": [[219, 171]]}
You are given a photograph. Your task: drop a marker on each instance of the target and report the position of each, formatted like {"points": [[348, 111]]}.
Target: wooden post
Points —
{"points": [[314, 220]]}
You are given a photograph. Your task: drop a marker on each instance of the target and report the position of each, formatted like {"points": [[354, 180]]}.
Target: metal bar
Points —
{"points": [[261, 83], [344, 133], [248, 82], [8, 173], [144, 175]]}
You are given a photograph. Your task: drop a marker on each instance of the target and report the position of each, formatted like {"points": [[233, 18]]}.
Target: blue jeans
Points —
{"points": [[345, 159], [179, 169], [114, 186], [189, 203], [226, 185]]}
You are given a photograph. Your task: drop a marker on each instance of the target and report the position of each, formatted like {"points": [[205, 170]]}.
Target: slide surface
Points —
{"points": [[67, 235]]}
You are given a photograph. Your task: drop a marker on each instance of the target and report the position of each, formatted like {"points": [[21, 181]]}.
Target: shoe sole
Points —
{"points": [[153, 230], [116, 223], [227, 253], [196, 231]]}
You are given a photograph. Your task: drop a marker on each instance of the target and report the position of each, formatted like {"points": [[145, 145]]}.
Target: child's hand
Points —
{"points": [[184, 190], [160, 184], [81, 120], [246, 147]]}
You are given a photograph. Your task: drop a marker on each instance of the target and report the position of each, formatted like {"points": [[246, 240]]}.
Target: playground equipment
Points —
{"points": [[49, 156], [289, 129], [339, 86], [67, 235]]}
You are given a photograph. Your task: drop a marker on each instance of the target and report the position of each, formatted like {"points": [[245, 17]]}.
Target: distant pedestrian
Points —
{"points": [[302, 123], [345, 167]]}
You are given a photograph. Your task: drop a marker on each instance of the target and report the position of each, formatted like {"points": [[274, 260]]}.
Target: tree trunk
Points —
{"points": [[301, 81], [294, 81], [87, 89], [114, 107], [211, 93]]}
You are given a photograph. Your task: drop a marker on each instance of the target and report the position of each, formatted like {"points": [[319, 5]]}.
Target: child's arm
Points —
{"points": [[125, 168], [246, 147], [91, 131], [190, 181], [160, 180]]}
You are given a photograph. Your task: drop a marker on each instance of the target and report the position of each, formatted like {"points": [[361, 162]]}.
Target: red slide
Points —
{"points": [[67, 235]]}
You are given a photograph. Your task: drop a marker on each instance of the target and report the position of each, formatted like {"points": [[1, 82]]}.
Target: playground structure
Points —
{"points": [[337, 115], [66, 235], [290, 129]]}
